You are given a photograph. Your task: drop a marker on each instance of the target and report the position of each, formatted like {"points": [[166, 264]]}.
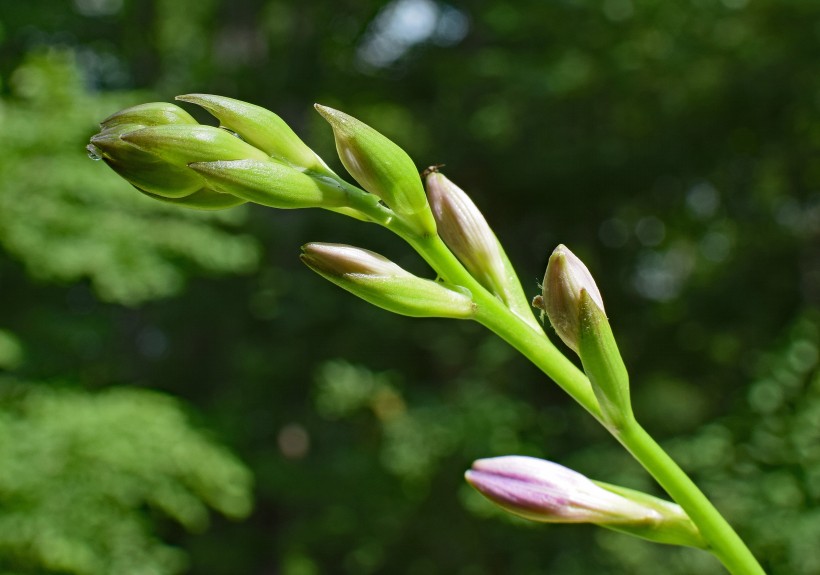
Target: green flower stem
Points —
{"points": [[723, 540], [493, 314]]}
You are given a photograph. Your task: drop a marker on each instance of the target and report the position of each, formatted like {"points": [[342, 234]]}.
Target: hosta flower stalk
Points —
{"points": [[254, 156]]}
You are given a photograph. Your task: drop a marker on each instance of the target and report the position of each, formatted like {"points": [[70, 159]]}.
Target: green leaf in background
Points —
{"points": [[86, 477]]}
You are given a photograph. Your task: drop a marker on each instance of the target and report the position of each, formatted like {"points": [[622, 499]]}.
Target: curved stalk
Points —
{"points": [[724, 542]]}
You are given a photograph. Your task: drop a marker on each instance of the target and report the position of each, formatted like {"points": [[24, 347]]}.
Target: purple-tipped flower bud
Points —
{"points": [[382, 168], [547, 492], [564, 279], [468, 235], [379, 281], [544, 491]]}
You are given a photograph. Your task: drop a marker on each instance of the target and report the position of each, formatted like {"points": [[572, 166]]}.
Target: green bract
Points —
{"points": [[603, 363]]}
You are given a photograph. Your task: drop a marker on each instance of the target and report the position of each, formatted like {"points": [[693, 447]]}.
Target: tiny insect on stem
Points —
{"points": [[431, 170]]}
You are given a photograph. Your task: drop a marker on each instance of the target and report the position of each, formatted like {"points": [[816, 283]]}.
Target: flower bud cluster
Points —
{"points": [[163, 152]]}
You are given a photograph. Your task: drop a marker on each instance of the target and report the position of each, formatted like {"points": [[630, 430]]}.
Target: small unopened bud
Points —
{"points": [[381, 282], [150, 114], [465, 231], [547, 492], [260, 128], [270, 183], [146, 171], [564, 279], [381, 167]]}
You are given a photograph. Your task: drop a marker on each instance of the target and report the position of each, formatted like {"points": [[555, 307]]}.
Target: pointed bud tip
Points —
{"points": [[337, 119]]}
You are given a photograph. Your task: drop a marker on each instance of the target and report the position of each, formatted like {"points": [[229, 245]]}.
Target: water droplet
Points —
{"points": [[232, 133], [94, 152]]}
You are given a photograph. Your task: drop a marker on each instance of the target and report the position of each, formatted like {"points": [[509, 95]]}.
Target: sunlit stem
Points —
{"points": [[724, 542]]}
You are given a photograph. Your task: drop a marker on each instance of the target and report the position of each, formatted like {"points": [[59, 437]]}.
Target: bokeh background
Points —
{"points": [[179, 395]]}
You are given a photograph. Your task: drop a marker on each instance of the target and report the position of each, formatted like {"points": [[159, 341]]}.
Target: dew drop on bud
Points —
{"points": [[232, 133], [93, 152]]}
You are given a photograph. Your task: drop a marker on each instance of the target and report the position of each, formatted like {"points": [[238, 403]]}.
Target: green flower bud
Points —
{"points": [[465, 231], [564, 279], [603, 363], [181, 145], [382, 168], [270, 183], [151, 114], [147, 172], [379, 281], [260, 128]]}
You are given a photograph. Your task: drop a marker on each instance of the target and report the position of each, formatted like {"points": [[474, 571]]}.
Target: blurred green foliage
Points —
{"points": [[86, 477], [672, 146], [68, 222]]}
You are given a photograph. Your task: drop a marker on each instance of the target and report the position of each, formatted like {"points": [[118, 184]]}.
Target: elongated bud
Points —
{"points": [[603, 363], [260, 128], [564, 279], [181, 145], [381, 167], [547, 492], [270, 183], [379, 281], [468, 235]]}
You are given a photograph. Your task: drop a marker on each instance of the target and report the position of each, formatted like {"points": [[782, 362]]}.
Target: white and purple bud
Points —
{"points": [[565, 278], [550, 493], [544, 491], [468, 235], [575, 309]]}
